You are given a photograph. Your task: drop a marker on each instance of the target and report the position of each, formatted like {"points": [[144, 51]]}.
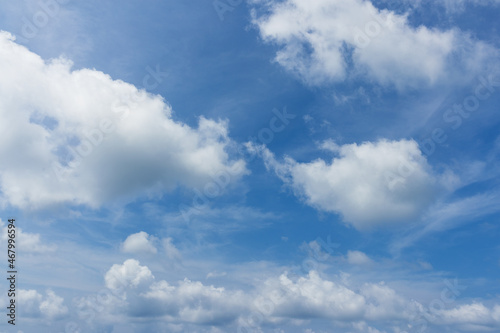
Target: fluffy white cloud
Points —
{"points": [[80, 137], [475, 313], [135, 292], [275, 300], [140, 242], [385, 303], [327, 40], [342, 300], [128, 275], [371, 184], [310, 297], [34, 304], [193, 302]]}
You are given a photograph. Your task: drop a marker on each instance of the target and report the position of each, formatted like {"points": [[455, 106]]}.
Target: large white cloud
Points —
{"points": [[80, 137], [135, 291], [370, 184], [326, 40], [281, 300]]}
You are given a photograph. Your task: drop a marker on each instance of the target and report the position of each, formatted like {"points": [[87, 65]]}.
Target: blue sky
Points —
{"points": [[252, 166]]}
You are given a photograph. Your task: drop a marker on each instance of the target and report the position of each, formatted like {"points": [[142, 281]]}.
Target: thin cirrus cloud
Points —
{"points": [[372, 184], [80, 137], [330, 40]]}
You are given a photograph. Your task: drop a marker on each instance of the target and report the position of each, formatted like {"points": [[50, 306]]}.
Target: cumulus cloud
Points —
{"points": [[311, 297], [80, 137], [193, 302], [370, 184], [314, 296], [128, 275], [135, 291], [34, 304], [282, 299], [140, 242], [328, 40]]}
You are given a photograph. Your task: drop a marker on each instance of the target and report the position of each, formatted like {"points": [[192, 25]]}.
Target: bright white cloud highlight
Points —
{"points": [[370, 184], [140, 242], [80, 137], [327, 40]]}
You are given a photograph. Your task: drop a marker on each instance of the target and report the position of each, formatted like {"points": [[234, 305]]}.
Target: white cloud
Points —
{"points": [[449, 215], [27, 242], [320, 39], [457, 6], [30, 299], [33, 304], [475, 313], [313, 296], [310, 297], [358, 258], [128, 275], [371, 184], [52, 306], [193, 302], [104, 138], [384, 302], [361, 326], [140, 242], [135, 291], [211, 275], [277, 300], [170, 250]]}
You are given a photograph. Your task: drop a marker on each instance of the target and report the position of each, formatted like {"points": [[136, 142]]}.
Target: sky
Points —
{"points": [[251, 166]]}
